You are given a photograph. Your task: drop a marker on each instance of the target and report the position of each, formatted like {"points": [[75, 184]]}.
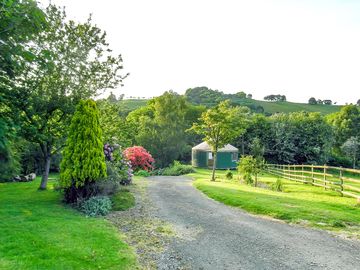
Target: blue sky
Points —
{"points": [[297, 48]]}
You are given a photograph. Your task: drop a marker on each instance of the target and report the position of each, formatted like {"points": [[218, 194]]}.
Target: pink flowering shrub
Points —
{"points": [[139, 158]]}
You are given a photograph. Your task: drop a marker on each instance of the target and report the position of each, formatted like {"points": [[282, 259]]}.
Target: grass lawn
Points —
{"points": [[38, 232], [299, 203]]}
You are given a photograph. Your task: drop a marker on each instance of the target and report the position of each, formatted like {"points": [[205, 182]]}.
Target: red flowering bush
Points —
{"points": [[139, 158]]}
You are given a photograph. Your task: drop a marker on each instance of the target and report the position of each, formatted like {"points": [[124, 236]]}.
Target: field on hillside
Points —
{"points": [[298, 203], [269, 107], [39, 232]]}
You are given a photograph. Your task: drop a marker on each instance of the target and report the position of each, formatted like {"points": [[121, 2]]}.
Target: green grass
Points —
{"points": [[269, 107], [132, 104], [39, 232], [299, 203], [286, 107], [123, 200]]}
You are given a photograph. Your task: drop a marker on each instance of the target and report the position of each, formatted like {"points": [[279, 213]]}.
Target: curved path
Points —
{"points": [[215, 236]]}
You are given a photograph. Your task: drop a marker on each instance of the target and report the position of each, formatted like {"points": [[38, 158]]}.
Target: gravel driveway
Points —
{"points": [[214, 236]]}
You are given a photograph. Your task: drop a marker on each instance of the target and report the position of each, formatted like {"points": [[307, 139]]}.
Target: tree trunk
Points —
{"points": [[214, 166], [46, 149], [255, 182]]}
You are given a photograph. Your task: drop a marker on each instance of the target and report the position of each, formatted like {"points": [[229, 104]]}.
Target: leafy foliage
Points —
{"points": [[351, 148], [220, 125], [299, 138], [139, 158], [178, 169], [96, 206], [229, 175], [9, 159], [118, 166], [116, 130], [346, 123], [160, 127], [83, 157], [275, 98], [312, 101], [65, 62], [278, 185], [142, 173], [250, 166]]}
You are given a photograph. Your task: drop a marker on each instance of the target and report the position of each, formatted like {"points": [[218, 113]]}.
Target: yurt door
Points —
{"points": [[210, 159]]}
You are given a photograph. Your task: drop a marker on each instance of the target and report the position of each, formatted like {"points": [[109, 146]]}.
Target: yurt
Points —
{"points": [[202, 156]]}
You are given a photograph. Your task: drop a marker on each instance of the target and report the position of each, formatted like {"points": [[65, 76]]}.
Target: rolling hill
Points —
{"points": [[128, 105]]}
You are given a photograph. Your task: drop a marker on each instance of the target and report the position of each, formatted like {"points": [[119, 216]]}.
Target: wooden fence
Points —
{"points": [[343, 180]]}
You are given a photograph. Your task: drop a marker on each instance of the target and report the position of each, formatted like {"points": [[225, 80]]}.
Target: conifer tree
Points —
{"points": [[83, 160]]}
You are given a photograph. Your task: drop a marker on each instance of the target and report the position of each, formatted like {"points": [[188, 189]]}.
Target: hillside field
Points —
{"points": [[269, 107]]}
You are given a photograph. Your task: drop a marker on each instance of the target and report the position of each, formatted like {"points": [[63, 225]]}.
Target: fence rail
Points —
{"points": [[343, 180]]}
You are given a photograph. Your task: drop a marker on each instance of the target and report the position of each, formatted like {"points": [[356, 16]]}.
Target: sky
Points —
{"points": [[298, 48]]}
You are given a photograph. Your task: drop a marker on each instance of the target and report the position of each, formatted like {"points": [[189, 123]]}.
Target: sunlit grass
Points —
{"points": [[37, 231], [299, 203]]}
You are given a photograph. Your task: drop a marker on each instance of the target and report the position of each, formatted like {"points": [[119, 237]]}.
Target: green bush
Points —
{"points": [[96, 206], [142, 173], [178, 169], [83, 160], [229, 175], [278, 185]]}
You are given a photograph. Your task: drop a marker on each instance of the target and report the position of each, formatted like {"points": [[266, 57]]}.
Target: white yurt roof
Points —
{"points": [[206, 148]]}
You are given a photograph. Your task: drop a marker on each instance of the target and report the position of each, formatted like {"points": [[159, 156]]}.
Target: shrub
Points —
{"points": [[139, 158], [250, 166], [118, 167], [278, 185], [107, 187], [229, 175], [142, 173], [83, 160], [96, 206], [178, 169]]}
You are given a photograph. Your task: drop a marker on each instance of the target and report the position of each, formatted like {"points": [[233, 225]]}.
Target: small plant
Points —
{"points": [[229, 175], [142, 173], [278, 185], [96, 206], [338, 224]]}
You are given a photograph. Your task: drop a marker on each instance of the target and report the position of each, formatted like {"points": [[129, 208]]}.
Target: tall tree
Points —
{"points": [[83, 160], [68, 61], [115, 128], [346, 123], [220, 125], [351, 148], [299, 137], [160, 127]]}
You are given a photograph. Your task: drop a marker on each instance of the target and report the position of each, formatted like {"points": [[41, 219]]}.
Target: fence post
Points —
{"points": [[302, 172], [312, 174], [324, 176], [341, 181]]}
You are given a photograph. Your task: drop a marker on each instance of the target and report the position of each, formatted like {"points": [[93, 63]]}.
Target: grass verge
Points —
{"points": [[39, 232], [123, 200], [299, 203]]}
